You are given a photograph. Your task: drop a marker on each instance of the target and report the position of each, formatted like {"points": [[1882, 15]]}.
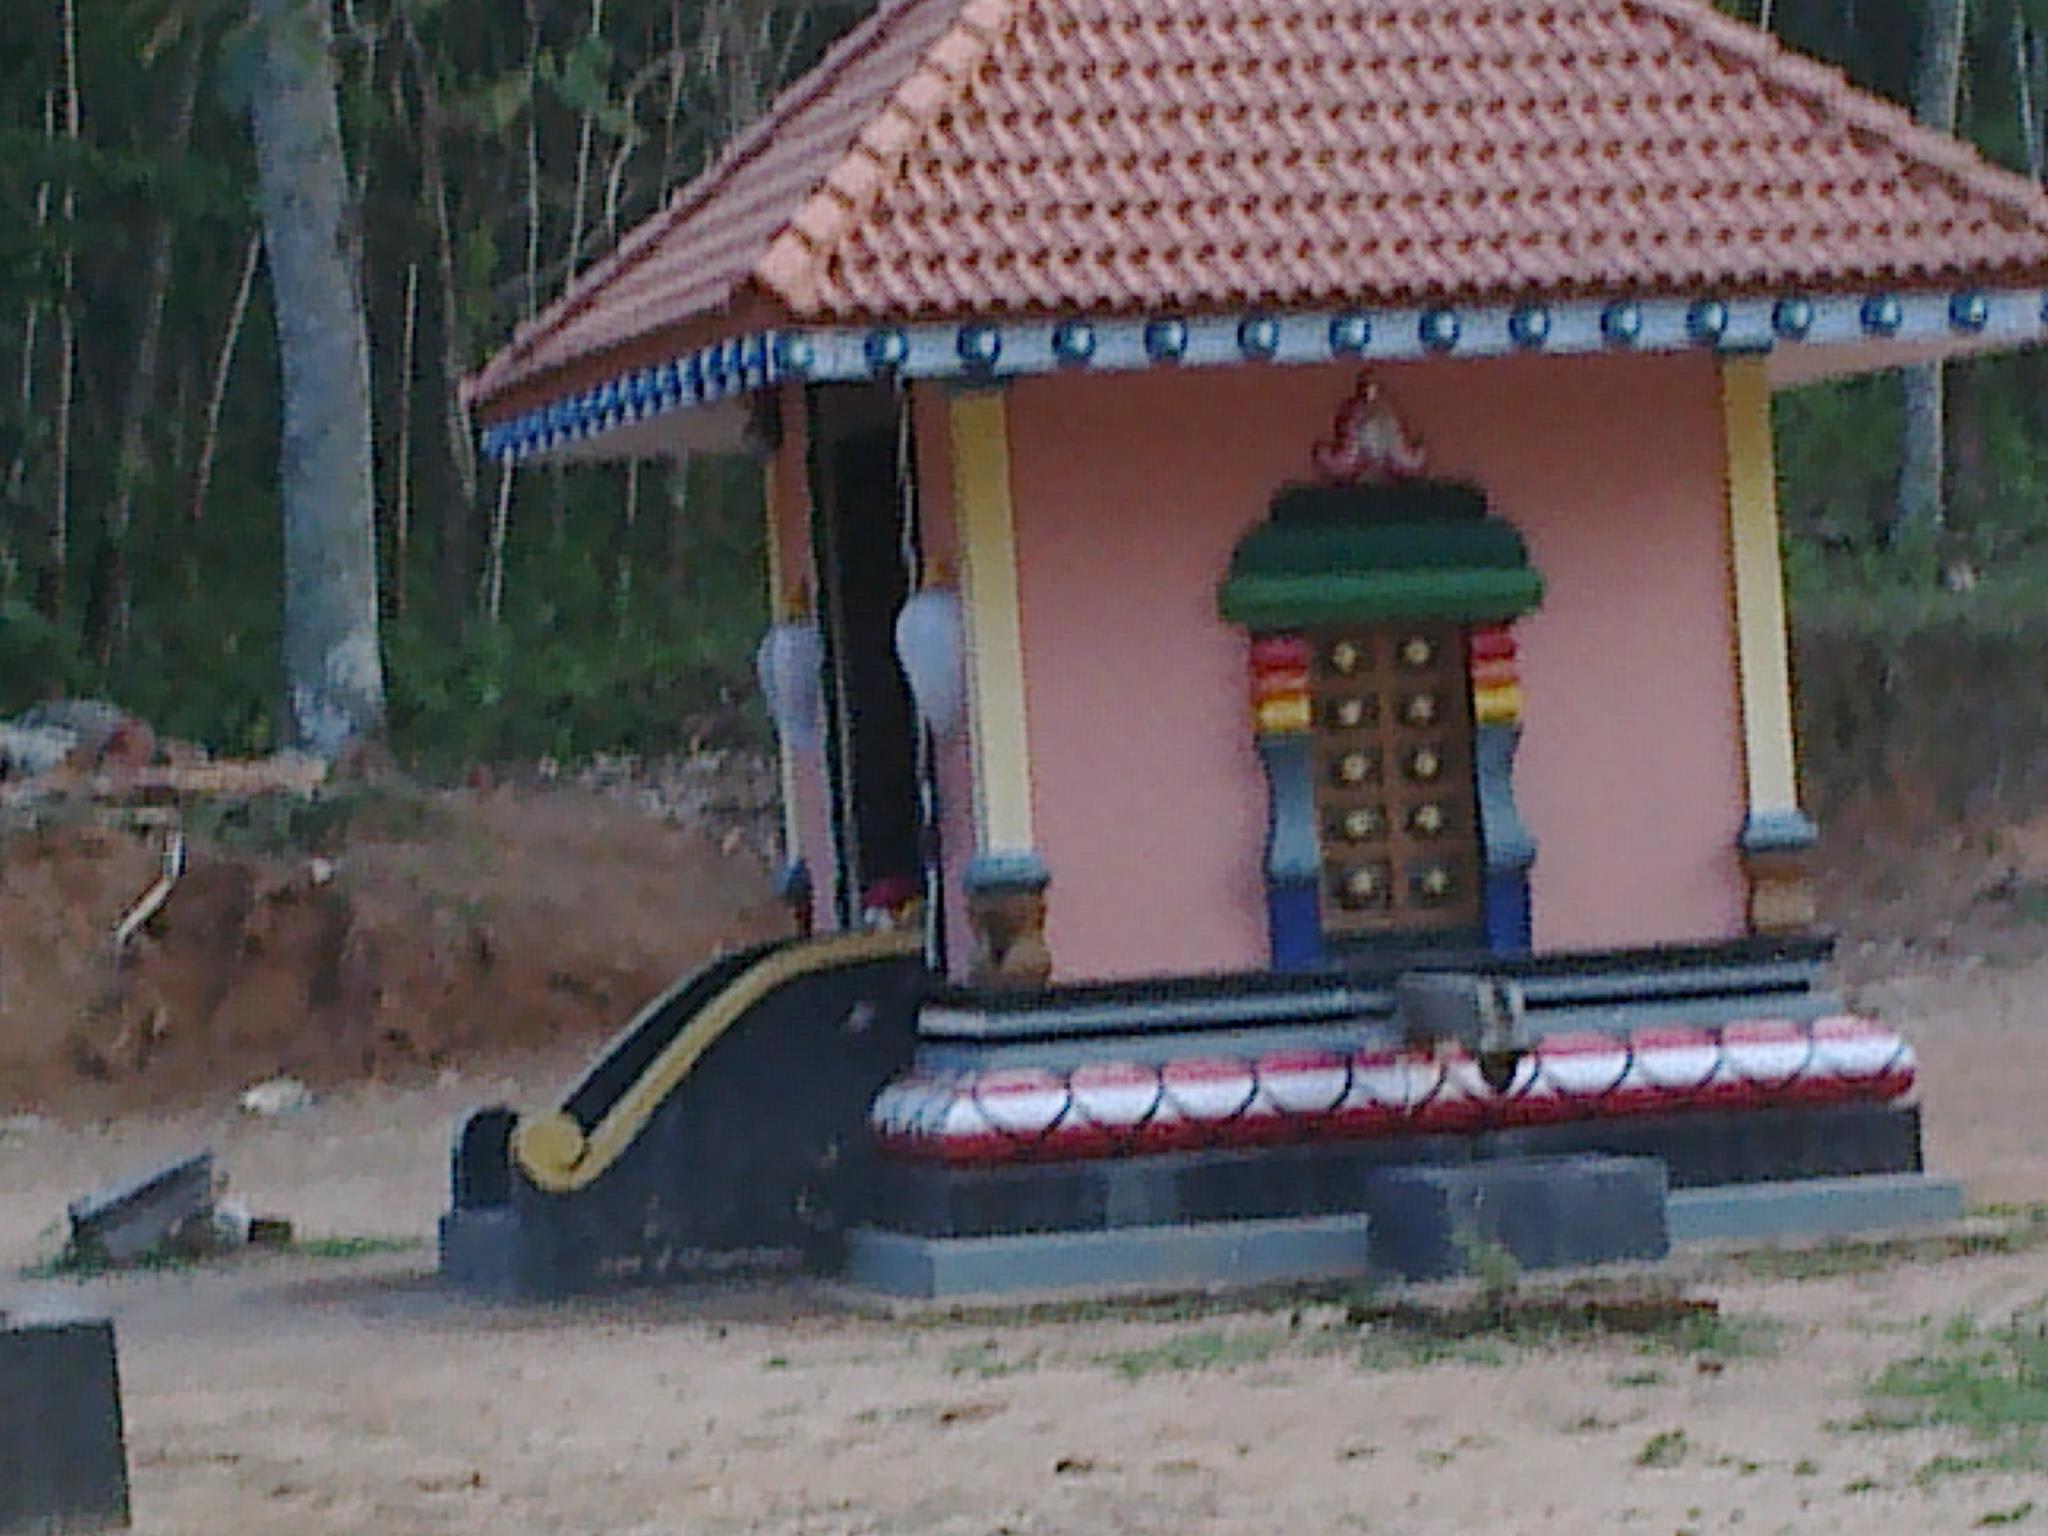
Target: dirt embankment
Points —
{"points": [[408, 933]]}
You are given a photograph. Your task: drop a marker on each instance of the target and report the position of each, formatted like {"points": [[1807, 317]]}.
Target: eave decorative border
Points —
{"points": [[990, 351]]}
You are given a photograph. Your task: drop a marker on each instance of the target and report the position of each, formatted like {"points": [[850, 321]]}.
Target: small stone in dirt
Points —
{"points": [[969, 1413], [231, 1224], [269, 1232], [278, 1096], [1073, 1466]]}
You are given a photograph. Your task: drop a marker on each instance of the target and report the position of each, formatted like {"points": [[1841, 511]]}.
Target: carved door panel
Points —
{"points": [[1397, 810]]}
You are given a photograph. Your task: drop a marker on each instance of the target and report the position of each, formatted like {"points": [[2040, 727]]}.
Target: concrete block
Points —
{"points": [[1220, 1253], [1549, 1213], [1812, 1208], [63, 1457], [124, 1223]]}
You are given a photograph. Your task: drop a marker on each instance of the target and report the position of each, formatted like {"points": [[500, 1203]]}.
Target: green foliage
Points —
{"points": [[466, 124], [627, 623], [36, 656]]}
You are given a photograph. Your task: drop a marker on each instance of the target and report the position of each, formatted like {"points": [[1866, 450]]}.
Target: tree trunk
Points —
{"points": [[223, 367], [139, 402], [2026, 59], [57, 594], [1922, 481], [401, 480], [334, 676], [31, 323]]}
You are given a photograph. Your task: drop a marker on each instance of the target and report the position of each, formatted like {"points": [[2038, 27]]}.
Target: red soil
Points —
{"points": [[469, 926]]}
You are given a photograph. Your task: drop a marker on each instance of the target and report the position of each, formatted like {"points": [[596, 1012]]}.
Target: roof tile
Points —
{"points": [[1031, 156]]}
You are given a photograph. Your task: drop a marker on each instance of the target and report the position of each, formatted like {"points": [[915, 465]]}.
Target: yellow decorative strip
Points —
{"points": [[995, 631], [1499, 705], [553, 1149], [1761, 647], [1285, 717]]}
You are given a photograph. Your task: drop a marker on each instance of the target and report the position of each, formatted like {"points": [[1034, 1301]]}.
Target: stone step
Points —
{"points": [[1165, 1258]]}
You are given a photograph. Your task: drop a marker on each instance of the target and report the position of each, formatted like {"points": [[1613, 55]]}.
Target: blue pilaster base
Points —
{"points": [[1294, 921], [1509, 848], [1510, 928], [1778, 831], [1294, 860]]}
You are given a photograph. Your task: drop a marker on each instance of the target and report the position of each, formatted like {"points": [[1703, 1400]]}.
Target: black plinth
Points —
{"points": [[63, 1459], [1546, 1213]]}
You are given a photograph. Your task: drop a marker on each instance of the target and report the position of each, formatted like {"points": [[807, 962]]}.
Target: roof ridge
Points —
{"points": [[641, 241], [792, 266], [1834, 94]]}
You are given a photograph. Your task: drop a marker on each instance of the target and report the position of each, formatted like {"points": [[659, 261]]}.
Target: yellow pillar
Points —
{"points": [[1776, 836], [1007, 878], [781, 609]]}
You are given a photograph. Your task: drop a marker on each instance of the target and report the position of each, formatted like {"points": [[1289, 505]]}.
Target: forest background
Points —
{"points": [[495, 148]]}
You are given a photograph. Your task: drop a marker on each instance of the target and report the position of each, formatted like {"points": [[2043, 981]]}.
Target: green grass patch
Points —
{"points": [[72, 1264], [1718, 1336], [2013, 1516], [1664, 1450], [987, 1361], [1208, 1351], [1393, 1351], [1636, 1379], [2020, 1229], [343, 1248], [1989, 1382], [2010, 1461]]}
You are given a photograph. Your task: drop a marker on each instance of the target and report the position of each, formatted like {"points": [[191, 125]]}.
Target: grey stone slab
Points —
{"points": [[1812, 1208], [63, 1459], [1219, 1253], [121, 1224], [1548, 1213]]}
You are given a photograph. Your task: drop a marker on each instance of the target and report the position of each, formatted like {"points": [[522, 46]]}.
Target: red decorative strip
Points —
{"points": [[1123, 1109], [1281, 653], [1496, 643]]}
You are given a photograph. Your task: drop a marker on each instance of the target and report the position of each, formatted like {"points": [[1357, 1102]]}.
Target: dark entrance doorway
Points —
{"points": [[864, 532]]}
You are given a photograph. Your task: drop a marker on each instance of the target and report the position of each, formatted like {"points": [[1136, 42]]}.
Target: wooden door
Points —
{"points": [[1396, 797]]}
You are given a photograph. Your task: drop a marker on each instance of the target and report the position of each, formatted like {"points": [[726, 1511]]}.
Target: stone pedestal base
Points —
{"points": [[1006, 908]]}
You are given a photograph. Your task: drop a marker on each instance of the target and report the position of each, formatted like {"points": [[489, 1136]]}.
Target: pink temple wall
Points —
{"points": [[1149, 801]]}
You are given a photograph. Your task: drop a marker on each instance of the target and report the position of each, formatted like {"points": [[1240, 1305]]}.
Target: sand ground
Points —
{"points": [[352, 1395]]}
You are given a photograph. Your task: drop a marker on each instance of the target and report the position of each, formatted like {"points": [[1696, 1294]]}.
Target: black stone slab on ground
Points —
{"points": [[63, 1459], [132, 1219], [1548, 1213]]}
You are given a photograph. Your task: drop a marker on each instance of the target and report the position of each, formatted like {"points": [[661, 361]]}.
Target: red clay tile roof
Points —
{"points": [[957, 157]]}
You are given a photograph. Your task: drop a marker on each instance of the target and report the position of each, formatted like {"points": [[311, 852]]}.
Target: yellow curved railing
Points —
{"points": [[560, 1157]]}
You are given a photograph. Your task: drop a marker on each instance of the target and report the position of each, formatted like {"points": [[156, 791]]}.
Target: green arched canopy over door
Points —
{"points": [[1387, 707]]}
